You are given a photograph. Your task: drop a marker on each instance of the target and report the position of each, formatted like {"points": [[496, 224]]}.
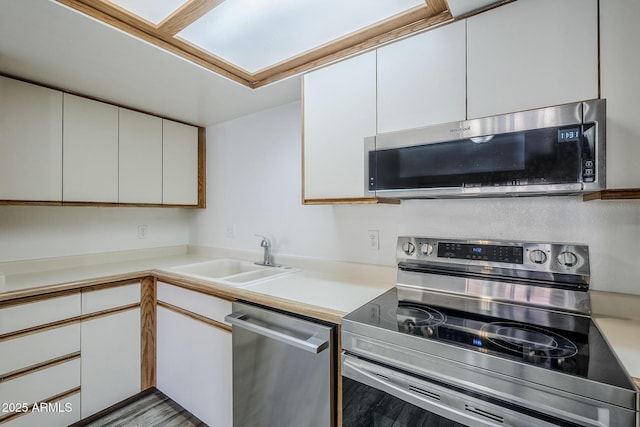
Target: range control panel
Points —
{"points": [[564, 258], [481, 252]]}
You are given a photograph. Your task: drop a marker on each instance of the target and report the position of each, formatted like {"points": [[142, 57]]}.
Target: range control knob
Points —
{"points": [[568, 259], [537, 256], [408, 248], [426, 249]]}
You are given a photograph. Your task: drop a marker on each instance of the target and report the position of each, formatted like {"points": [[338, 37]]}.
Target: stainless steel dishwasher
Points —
{"points": [[283, 369]]}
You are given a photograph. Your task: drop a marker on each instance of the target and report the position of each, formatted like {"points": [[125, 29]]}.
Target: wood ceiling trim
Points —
{"points": [[139, 28], [436, 6], [433, 13], [186, 15]]}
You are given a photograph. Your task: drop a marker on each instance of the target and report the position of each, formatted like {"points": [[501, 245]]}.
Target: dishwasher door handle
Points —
{"points": [[312, 344]]}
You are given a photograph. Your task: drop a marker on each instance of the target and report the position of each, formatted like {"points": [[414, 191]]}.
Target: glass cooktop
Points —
{"points": [[576, 347]]}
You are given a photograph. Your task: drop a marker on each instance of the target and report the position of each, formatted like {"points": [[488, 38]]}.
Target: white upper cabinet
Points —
{"points": [[30, 142], [422, 79], [90, 154], [179, 164], [530, 54], [619, 62], [140, 158], [339, 112]]}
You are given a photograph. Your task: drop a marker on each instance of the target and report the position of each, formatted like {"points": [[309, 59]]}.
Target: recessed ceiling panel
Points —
{"points": [[256, 34], [154, 11]]}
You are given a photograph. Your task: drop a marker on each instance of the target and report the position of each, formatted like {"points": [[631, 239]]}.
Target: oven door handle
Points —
{"points": [[440, 400], [423, 397]]}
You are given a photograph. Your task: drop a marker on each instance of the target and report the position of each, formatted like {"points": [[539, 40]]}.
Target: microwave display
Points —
{"points": [[569, 134]]}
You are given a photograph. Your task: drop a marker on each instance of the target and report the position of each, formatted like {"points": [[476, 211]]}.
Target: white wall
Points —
{"points": [[31, 232], [254, 183]]}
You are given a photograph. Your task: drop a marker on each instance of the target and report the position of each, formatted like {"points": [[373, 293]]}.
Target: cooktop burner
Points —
{"points": [[522, 342], [410, 318], [530, 341]]}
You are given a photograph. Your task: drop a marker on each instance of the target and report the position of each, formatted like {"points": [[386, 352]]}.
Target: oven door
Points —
{"points": [[374, 396]]}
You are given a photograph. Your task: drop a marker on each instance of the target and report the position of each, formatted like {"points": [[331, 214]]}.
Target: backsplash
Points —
{"points": [[32, 232]]}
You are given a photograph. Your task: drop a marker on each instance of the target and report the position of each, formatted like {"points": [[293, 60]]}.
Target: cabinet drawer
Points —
{"points": [[205, 305], [41, 385], [22, 352], [93, 301], [60, 413], [15, 318]]}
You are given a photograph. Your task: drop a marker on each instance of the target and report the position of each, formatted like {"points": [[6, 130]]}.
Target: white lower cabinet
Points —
{"points": [[194, 366], [110, 360], [36, 367], [110, 348], [59, 413], [32, 391]]}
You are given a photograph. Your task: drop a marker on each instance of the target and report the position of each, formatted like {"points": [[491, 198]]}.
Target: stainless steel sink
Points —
{"points": [[232, 272]]}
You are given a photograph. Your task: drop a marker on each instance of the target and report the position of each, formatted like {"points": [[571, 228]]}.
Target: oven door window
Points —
{"points": [[538, 156], [365, 406]]}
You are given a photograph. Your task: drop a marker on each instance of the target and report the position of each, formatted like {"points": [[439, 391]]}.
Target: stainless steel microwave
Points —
{"points": [[553, 150]]}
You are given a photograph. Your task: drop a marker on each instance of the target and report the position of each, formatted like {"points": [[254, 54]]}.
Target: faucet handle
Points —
{"points": [[265, 241]]}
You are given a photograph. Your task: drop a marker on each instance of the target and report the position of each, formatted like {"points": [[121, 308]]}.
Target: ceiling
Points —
{"points": [[53, 43], [46, 42]]}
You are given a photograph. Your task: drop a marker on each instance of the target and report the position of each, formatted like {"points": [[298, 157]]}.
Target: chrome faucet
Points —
{"points": [[266, 244]]}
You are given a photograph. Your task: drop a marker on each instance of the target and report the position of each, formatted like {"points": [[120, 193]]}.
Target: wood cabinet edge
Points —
{"points": [[613, 194]]}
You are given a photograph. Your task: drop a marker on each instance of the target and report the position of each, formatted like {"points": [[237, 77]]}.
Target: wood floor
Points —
{"points": [[149, 409]]}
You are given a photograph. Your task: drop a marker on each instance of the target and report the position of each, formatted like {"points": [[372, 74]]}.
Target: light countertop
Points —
{"points": [[303, 291], [624, 336]]}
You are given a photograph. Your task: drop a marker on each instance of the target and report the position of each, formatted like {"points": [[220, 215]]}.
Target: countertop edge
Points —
{"points": [[202, 286], [73, 285]]}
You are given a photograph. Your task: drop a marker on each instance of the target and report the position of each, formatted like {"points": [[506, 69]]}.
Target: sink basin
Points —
{"points": [[232, 272]]}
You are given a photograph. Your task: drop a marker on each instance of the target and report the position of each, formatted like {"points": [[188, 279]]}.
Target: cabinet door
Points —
{"points": [[179, 164], [23, 316], [110, 349], [90, 155], [339, 112], [41, 385], [530, 54], [422, 79], [619, 35], [67, 412], [30, 142], [194, 367], [140, 157]]}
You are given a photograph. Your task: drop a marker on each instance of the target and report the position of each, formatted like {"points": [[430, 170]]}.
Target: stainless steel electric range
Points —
{"points": [[483, 333]]}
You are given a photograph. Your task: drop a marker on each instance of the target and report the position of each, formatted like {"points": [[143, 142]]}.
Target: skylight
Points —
{"points": [[256, 42], [256, 34], [152, 11]]}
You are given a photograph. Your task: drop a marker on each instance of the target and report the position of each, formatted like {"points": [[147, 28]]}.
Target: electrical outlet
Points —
{"points": [[143, 231], [374, 240], [231, 230]]}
